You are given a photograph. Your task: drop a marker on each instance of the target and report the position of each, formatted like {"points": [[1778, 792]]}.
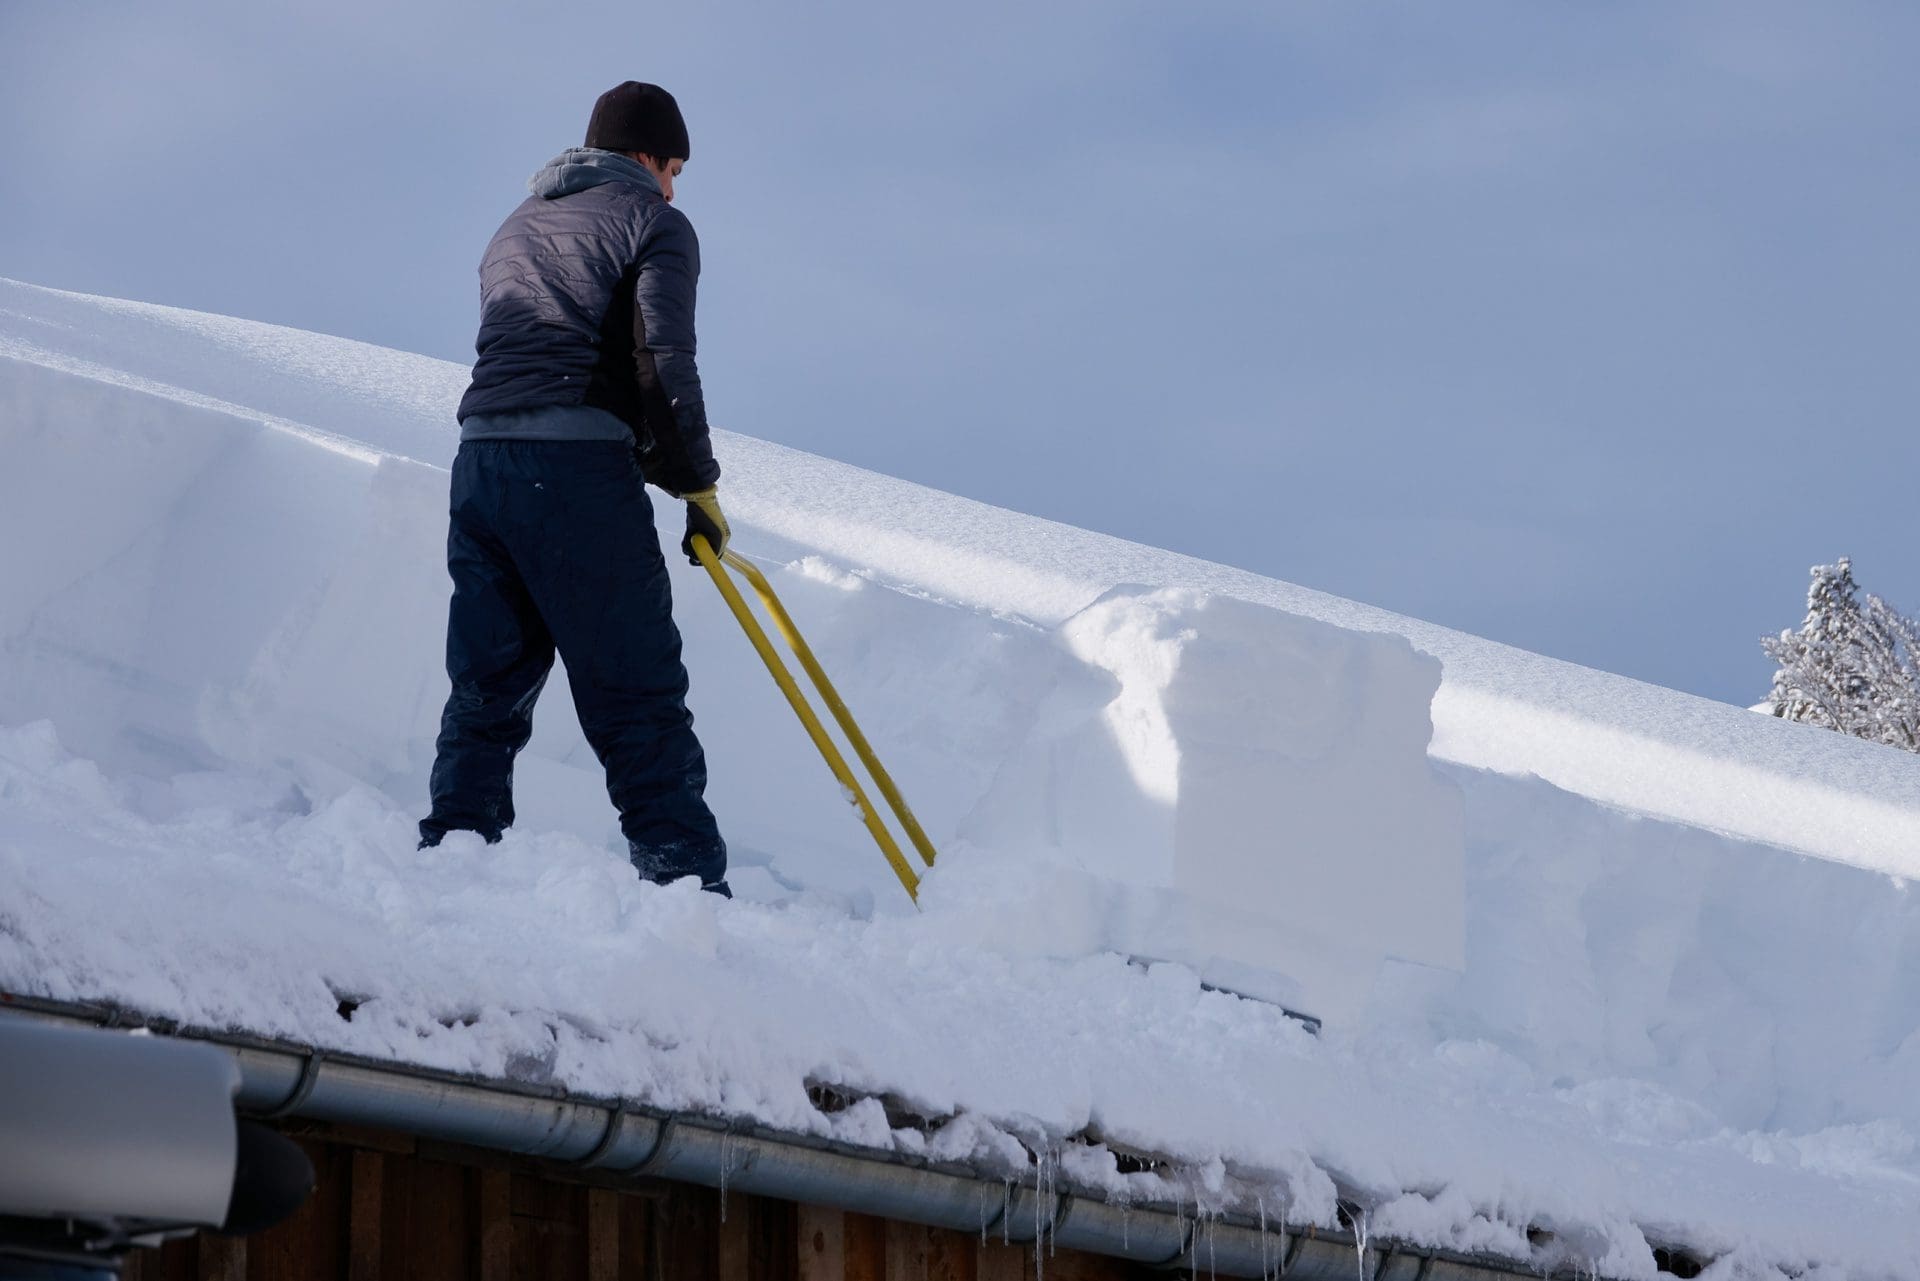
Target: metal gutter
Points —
{"points": [[284, 1080]]}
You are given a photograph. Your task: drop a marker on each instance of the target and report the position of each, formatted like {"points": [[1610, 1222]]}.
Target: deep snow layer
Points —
{"points": [[1651, 750], [541, 960], [223, 590]]}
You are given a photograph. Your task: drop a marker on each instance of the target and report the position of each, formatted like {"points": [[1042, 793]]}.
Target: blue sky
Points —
{"points": [[1586, 327]]}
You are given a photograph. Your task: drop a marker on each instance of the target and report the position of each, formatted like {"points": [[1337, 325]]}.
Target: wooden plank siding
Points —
{"points": [[388, 1207]]}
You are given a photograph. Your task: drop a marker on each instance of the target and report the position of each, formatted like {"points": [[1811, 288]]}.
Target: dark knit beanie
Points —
{"points": [[639, 117]]}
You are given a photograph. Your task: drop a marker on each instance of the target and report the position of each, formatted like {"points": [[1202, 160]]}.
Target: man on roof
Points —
{"points": [[584, 391]]}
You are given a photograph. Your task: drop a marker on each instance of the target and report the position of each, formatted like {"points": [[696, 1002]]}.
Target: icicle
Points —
{"points": [[1202, 1231], [1039, 1196], [726, 1163], [1189, 1233], [1180, 1213], [1053, 1202], [1360, 1243], [1046, 1162]]}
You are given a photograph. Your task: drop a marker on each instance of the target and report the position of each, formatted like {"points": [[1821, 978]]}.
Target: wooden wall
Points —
{"points": [[389, 1207]]}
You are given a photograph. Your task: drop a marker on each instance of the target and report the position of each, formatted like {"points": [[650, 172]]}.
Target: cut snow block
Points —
{"points": [[156, 545], [1247, 792], [190, 587]]}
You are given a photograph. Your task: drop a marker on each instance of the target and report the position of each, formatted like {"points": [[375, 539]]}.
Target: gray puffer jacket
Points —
{"points": [[586, 311]]}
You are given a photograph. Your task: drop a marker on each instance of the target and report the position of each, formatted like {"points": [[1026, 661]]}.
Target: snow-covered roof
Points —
{"points": [[1669, 996]]}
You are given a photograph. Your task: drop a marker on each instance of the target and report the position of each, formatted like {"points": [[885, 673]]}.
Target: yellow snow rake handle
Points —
{"points": [[717, 567]]}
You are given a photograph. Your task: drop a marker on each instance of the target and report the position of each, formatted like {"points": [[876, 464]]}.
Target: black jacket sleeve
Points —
{"points": [[677, 454]]}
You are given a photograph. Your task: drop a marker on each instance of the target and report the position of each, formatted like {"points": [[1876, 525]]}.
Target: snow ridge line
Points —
{"points": [[12, 348]]}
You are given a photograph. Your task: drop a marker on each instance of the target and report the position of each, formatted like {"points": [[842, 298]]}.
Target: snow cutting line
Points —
{"points": [[716, 567]]}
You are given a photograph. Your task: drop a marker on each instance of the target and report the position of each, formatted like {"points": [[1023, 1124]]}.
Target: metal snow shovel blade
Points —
{"points": [[717, 567]]}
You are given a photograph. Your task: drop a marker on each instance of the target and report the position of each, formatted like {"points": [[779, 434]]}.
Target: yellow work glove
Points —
{"points": [[703, 517]]}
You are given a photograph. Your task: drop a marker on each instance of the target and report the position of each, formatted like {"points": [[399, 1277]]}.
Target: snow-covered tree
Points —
{"points": [[1853, 666]]}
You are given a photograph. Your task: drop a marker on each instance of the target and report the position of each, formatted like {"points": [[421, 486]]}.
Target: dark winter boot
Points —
{"points": [[431, 834], [665, 864]]}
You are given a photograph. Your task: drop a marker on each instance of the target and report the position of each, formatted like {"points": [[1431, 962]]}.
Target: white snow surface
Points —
{"points": [[1608, 960]]}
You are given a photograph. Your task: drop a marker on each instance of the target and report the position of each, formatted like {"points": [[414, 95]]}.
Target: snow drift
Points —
{"points": [[1583, 937]]}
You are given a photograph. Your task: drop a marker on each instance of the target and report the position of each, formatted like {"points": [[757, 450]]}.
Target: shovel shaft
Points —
{"points": [[849, 785], [831, 697]]}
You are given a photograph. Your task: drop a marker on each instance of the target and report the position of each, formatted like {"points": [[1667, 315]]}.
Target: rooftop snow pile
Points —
{"points": [[219, 595], [219, 677]]}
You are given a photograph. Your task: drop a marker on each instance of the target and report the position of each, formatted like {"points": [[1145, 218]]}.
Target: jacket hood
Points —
{"points": [[578, 168]]}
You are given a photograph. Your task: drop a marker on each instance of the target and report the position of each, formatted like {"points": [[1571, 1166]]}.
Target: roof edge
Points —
{"points": [[613, 1137]]}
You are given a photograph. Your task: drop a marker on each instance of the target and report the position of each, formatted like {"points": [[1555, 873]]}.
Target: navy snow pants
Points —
{"points": [[551, 546]]}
